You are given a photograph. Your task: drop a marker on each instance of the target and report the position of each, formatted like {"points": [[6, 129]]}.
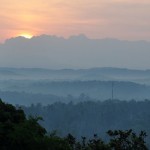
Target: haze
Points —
{"points": [[121, 19], [110, 33], [75, 52]]}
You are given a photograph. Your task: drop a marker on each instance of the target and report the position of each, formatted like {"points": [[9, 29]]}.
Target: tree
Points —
{"points": [[17, 132], [20, 133], [9, 117], [127, 140]]}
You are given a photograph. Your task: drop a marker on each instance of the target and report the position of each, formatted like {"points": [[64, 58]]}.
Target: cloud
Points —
{"points": [[97, 18], [75, 52]]}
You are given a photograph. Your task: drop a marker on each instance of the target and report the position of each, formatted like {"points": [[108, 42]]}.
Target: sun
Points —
{"points": [[26, 35]]}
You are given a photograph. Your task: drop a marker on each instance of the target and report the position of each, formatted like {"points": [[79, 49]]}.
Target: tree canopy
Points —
{"points": [[17, 132]]}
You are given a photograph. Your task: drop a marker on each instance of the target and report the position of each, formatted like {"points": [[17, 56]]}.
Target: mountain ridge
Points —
{"points": [[100, 74]]}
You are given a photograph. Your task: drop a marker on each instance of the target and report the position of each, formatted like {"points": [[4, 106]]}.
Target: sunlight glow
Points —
{"points": [[26, 35]]}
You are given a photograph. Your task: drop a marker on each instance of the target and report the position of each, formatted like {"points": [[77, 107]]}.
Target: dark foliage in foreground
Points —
{"points": [[19, 133]]}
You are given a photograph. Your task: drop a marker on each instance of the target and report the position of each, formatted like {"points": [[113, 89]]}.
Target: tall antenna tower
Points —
{"points": [[112, 90]]}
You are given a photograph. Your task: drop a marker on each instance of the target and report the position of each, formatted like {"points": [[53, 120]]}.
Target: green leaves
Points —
{"points": [[19, 133], [127, 140]]}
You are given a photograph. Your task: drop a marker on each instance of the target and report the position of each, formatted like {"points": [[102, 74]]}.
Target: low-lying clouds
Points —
{"points": [[74, 52]]}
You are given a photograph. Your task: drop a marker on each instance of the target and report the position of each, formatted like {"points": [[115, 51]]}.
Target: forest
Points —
{"points": [[74, 109], [18, 132], [89, 117]]}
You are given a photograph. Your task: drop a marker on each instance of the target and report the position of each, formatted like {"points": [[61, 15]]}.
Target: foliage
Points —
{"points": [[88, 117], [127, 140], [20, 133]]}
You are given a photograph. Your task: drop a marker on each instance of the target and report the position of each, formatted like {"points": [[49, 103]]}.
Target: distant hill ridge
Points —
{"points": [[99, 74]]}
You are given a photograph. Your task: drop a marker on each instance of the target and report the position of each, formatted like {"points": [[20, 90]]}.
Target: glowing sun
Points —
{"points": [[26, 35]]}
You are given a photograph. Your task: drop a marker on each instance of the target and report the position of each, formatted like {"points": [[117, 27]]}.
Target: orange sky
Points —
{"points": [[122, 19]]}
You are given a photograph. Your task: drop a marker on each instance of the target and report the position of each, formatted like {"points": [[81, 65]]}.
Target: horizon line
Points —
{"points": [[73, 36], [76, 69]]}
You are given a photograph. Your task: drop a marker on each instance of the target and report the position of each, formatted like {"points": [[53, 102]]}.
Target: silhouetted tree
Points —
{"points": [[127, 140], [20, 133]]}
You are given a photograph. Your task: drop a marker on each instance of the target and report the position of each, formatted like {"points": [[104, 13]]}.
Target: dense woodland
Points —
{"points": [[17, 132], [73, 101], [86, 118]]}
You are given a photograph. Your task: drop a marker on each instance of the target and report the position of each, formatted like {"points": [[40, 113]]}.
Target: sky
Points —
{"points": [[121, 19]]}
